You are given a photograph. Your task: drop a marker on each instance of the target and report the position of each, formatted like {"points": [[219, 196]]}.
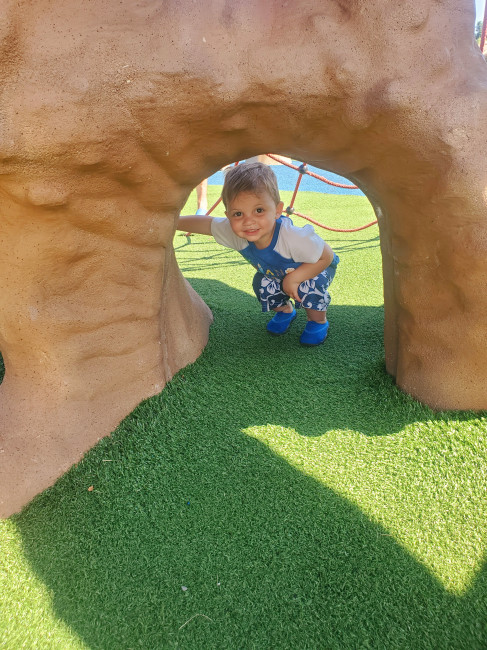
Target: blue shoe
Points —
{"points": [[200, 211], [281, 322], [314, 333]]}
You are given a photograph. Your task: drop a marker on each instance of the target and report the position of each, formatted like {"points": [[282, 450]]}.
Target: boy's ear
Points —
{"points": [[279, 209]]}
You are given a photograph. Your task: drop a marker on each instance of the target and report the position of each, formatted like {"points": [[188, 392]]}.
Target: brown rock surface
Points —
{"points": [[110, 112]]}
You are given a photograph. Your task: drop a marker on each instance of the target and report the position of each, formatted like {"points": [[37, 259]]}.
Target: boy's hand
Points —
{"points": [[306, 271], [290, 286]]}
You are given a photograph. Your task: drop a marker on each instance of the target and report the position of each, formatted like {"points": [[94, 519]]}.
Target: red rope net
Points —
{"points": [[303, 169]]}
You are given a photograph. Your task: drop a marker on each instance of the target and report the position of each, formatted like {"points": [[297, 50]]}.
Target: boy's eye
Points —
{"points": [[260, 210]]}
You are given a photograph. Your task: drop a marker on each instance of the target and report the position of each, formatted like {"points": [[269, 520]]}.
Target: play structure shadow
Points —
{"points": [[317, 573], [342, 384]]}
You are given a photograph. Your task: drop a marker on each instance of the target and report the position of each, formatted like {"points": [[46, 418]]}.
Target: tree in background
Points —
{"points": [[478, 30]]}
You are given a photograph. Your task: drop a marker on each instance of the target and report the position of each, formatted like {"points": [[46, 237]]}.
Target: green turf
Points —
{"points": [[301, 499]]}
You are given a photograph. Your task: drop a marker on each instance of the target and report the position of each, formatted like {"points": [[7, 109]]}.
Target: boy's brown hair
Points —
{"points": [[252, 177]]}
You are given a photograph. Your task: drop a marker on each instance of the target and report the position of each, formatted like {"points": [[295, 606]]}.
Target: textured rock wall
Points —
{"points": [[110, 112]]}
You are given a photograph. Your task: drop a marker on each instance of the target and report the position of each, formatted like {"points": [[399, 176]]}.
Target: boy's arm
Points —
{"points": [[197, 223], [307, 271]]}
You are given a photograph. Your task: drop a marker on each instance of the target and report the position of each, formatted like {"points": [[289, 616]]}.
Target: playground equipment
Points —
{"points": [[290, 210], [484, 31], [111, 111]]}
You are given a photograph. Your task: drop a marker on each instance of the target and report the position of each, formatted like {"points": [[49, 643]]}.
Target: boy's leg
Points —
{"points": [[286, 309], [272, 298], [202, 197], [315, 299], [315, 332], [270, 294], [316, 316]]}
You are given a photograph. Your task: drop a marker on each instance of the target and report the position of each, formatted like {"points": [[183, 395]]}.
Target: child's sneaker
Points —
{"points": [[200, 211], [314, 333], [281, 322]]}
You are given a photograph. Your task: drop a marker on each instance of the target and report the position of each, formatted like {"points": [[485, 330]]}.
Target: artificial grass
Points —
{"points": [[301, 499]]}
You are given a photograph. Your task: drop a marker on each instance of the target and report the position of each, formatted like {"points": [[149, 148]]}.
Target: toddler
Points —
{"points": [[290, 262]]}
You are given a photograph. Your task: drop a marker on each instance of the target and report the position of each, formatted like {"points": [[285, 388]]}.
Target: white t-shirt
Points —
{"points": [[290, 246], [294, 243]]}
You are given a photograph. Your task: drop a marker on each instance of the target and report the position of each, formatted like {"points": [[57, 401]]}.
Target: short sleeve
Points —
{"points": [[299, 244], [224, 235]]}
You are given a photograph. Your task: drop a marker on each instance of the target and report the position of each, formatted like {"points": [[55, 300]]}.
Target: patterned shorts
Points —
{"points": [[313, 293]]}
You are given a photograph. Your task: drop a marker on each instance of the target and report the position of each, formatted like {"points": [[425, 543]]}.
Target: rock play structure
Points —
{"points": [[111, 112]]}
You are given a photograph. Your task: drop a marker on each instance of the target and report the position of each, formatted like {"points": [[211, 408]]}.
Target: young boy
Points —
{"points": [[291, 262]]}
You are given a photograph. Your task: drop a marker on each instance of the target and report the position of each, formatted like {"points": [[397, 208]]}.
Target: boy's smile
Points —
{"points": [[253, 217]]}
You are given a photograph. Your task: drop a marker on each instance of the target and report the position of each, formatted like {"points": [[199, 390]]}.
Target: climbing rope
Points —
{"points": [[303, 169]]}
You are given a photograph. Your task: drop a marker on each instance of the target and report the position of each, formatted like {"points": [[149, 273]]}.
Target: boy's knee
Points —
{"points": [[306, 287]]}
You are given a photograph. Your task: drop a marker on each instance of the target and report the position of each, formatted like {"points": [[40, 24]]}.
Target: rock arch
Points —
{"points": [[111, 112]]}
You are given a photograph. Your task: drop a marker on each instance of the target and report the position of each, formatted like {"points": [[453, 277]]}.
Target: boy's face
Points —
{"points": [[253, 217]]}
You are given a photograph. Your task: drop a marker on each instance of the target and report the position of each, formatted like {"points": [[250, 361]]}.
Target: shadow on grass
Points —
{"points": [[341, 384], [202, 259], [355, 244], [270, 557]]}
